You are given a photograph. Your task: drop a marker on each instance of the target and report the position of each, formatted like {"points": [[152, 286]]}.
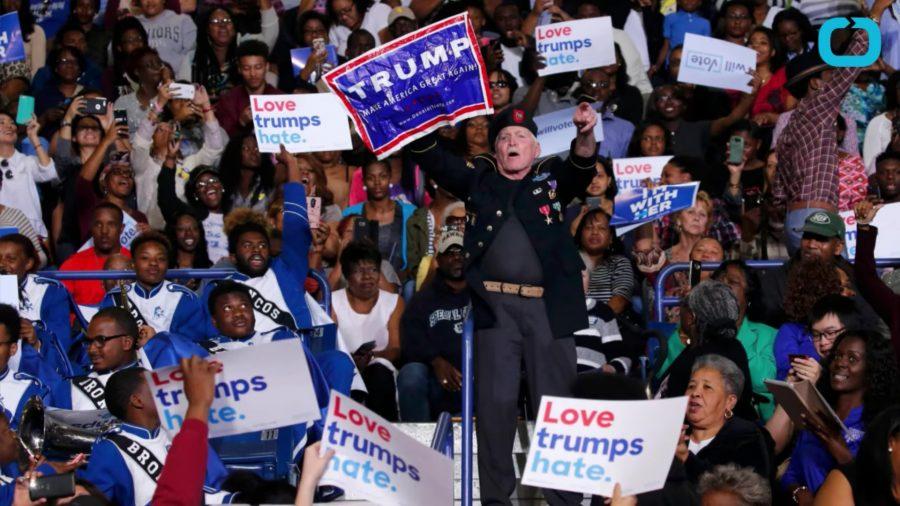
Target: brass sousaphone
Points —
{"points": [[60, 434]]}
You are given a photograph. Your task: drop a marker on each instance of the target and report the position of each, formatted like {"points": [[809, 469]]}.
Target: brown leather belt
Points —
{"points": [[529, 291]]}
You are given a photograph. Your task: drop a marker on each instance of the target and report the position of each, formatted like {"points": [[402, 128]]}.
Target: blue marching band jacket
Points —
{"points": [[60, 374]]}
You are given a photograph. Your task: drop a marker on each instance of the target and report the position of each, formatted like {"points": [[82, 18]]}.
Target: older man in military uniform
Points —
{"points": [[524, 271]]}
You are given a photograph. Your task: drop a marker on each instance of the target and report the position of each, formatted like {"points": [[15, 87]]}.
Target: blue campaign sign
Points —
{"points": [[403, 90], [641, 205], [11, 46]]}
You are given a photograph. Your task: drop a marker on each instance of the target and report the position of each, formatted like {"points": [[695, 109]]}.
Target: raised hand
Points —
{"points": [[865, 212], [585, 118]]}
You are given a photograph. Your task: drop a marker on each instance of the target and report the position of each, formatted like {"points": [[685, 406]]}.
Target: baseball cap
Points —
{"points": [[400, 12], [449, 238], [824, 223]]}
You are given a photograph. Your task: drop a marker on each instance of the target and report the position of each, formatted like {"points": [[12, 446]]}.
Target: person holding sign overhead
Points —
{"points": [[807, 178], [524, 272]]}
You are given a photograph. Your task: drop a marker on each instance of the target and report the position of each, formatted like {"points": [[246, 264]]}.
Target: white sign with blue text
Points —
{"points": [[716, 63], [575, 45], [588, 446], [555, 130], [632, 172], [375, 460], [303, 123], [248, 397]]}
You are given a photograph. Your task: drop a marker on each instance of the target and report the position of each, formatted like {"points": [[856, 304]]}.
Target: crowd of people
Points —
{"points": [[119, 168]]}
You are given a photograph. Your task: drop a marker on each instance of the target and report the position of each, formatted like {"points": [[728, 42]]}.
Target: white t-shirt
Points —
{"points": [[374, 21], [699, 445]]}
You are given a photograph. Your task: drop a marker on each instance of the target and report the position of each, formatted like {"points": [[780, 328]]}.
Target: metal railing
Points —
{"points": [[661, 301], [467, 409], [178, 274]]}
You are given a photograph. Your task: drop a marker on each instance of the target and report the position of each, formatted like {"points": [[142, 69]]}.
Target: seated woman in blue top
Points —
{"points": [[390, 215], [807, 282], [860, 380]]}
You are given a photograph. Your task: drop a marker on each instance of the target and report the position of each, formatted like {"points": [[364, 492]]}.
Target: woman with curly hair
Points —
{"points": [[807, 282], [861, 382]]}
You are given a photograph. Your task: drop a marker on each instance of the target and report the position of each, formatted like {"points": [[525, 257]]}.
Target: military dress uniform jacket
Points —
{"points": [[539, 202]]}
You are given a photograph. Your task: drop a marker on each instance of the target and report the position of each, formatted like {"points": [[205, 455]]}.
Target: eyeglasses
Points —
{"points": [[829, 335], [220, 21], [253, 148], [101, 340], [593, 85], [209, 182], [499, 84]]}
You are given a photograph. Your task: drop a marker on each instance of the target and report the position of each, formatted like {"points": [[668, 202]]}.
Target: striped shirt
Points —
{"points": [[807, 150], [610, 277]]}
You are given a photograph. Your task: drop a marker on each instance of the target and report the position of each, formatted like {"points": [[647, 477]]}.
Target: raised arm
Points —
{"points": [[296, 232], [448, 169], [883, 300], [169, 203], [743, 106]]}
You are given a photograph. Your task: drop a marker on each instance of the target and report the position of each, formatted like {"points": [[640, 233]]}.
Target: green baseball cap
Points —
{"points": [[825, 223]]}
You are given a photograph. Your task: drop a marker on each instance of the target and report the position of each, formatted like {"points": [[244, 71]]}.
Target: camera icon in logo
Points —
{"points": [[850, 60]]}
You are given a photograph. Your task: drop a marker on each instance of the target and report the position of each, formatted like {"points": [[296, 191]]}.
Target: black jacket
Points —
{"points": [[679, 373], [550, 186], [738, 442]]}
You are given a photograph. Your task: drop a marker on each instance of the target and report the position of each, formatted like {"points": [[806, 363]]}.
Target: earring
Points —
{"points": [[390, 186], [728, 414], [364, 188], [890, 449]]}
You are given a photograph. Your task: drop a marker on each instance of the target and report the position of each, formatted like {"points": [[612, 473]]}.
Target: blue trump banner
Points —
{"points": [[636, 206], [11, 46], [403, 90]]}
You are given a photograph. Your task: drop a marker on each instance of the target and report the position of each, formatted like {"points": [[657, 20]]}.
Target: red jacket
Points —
{"points": [[181, 481]]}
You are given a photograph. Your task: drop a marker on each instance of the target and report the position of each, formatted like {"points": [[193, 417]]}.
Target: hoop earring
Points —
{"points": [[364, 188], [728, 414]]}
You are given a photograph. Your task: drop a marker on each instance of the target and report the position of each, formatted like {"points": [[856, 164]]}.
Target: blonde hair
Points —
{"points": [[706, 200]]}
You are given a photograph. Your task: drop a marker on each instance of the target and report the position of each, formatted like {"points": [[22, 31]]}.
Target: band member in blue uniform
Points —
{"points": [[44, 305], [125, 463], [112, 344], [153, 301], [16, 388], [276, 284]]}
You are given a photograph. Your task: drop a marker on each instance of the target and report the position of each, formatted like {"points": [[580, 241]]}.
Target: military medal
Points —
{"points": [[545, 210], [552, 192]]}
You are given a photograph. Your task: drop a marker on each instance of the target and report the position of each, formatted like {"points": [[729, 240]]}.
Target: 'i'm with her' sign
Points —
{"points": [[403, 90]]}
